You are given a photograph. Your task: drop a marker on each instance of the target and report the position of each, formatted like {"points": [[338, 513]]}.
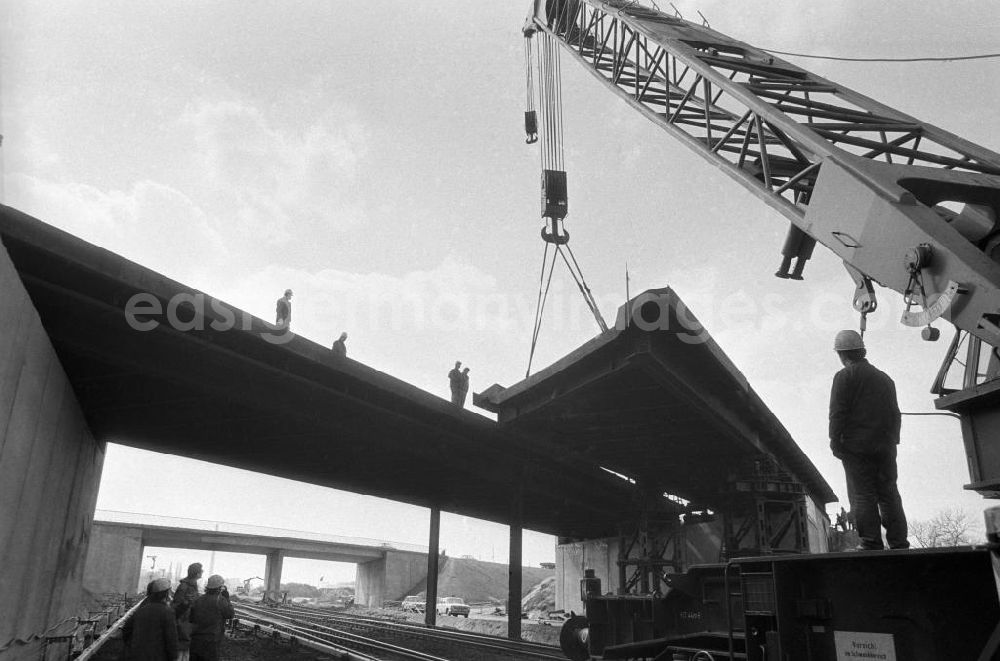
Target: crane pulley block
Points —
{"points": [[554, 202], [530, 127]]}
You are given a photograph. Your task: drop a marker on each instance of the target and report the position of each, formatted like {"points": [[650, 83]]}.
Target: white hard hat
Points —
{"points": [[848, 340], [215, 581]]}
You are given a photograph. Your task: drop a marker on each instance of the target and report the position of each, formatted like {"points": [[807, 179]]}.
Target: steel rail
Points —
{"points": [[494, 642], [539, 649], [340, 652], [327, 635], [372, 625]]}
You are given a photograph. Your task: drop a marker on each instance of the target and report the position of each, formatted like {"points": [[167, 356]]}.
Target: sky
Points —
{"points": [[371, 157]]}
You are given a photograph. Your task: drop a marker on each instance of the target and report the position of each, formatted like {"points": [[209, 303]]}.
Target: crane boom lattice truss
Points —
{"points": [[867, 181]]}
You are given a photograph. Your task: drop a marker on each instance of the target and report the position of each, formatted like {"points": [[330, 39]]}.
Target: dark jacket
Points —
{"points": [[186, 594], [455, 378], [864, 413], [151, 633], [339, 348], [209, 615], [283, 311]]}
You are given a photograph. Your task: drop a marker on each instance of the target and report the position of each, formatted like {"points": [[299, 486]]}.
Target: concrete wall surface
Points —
{"points": [[114, 559], [369, 583], [403, 571], [389, 578], [50, 468]]}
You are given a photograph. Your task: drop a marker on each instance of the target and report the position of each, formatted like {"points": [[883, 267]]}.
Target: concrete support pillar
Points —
{"points": [[514, 571], [50, 469], [272, 571], [430, 609]]}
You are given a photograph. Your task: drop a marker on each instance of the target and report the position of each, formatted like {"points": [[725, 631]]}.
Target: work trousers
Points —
{"points": [[204, 648], [875, 501]]}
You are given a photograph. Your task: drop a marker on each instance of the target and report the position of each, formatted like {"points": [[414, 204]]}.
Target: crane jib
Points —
{"points": [[869, 182], [780, 130]]}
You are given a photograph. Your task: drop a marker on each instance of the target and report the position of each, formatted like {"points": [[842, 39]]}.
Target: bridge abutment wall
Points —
{"points": [[389, 578], [50, 469], [114, 560]]}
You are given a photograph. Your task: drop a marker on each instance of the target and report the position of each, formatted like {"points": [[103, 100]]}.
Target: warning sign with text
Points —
{"points": [[864, 646]]}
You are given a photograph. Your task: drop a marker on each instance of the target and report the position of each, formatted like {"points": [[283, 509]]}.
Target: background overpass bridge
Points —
{"points": [[385, 570]]}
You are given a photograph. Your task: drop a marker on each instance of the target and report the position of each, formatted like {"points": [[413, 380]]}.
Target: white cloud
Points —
{"points": [[278, 179], [152, 224]]}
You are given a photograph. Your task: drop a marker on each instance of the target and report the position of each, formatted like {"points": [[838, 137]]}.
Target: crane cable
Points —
{"points": [[550, 93], [581, 283], [552, 158], [540, 305]]}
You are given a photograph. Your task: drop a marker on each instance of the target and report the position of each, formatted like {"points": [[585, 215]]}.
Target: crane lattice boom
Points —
{"points": [[900, 201]]}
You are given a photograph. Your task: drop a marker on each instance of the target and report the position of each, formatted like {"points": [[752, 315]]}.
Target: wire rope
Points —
{"points": [[944, 58]]}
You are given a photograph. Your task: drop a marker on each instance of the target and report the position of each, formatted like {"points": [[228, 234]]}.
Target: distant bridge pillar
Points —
{"points": [[272, 571], [430, 611], [514, 569]]}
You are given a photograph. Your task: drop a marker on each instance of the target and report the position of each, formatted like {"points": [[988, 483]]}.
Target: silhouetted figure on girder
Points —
{"points": [[283, 310], [464, 386], [339, 347], [455, 382]]}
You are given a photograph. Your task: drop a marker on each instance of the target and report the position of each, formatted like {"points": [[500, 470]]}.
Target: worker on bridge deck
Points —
{"points": [[455, 382], [151, 633], [339, 347], [864, 433], [283, 310]]}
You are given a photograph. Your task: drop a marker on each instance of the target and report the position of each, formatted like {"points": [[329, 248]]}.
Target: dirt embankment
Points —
{"points": [[479, 582]]}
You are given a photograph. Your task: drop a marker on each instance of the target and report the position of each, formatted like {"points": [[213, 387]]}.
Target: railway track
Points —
{"points": [[368, 635]]}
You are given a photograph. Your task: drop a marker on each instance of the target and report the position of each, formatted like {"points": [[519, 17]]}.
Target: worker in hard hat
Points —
{"points": [[864, 433], [208, 619], [151, 633], [185, 595]]}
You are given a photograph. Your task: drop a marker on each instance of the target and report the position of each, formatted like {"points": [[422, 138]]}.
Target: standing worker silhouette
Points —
{"points": [[339, 347], [864, 433], [455, 381], [283, 310], [463, 386]]}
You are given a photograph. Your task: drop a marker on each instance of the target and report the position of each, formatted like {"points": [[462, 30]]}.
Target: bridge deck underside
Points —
{"points": [[662, 406], [292, 410]]}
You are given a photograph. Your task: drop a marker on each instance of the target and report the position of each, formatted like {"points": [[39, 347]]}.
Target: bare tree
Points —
{"points": [[950, 527]]}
